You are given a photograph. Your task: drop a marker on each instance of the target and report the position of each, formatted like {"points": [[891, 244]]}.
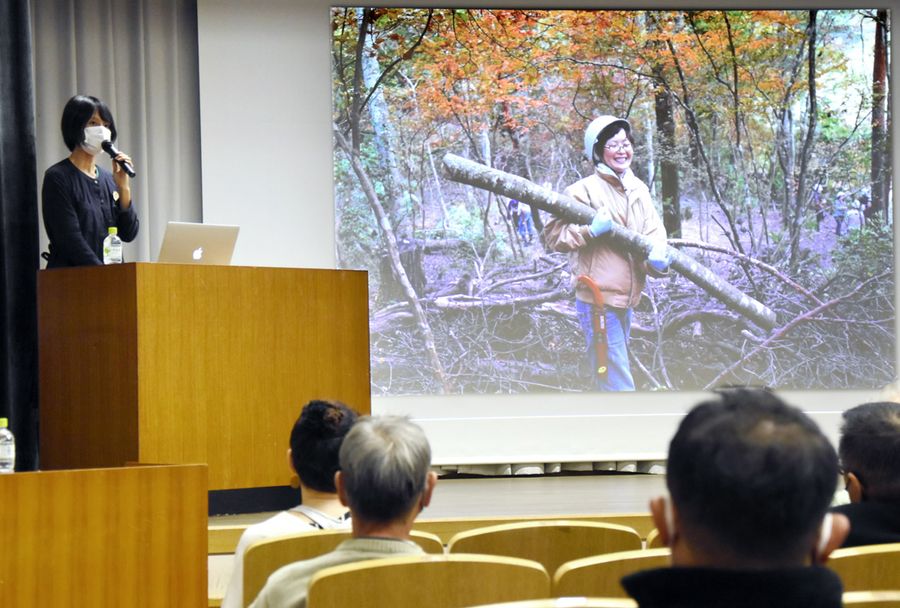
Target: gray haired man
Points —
{"points": [[386, 481]]}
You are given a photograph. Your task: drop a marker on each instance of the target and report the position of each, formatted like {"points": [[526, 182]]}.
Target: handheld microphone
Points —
{"points": [[110, 149]]}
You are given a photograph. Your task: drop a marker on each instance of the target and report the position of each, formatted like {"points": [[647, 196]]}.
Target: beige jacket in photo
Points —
{"points": [[620, 275]]}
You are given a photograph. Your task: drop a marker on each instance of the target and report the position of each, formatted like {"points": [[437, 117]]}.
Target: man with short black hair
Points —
{"points": [[870, 458], [750, 480], [386, 480]]}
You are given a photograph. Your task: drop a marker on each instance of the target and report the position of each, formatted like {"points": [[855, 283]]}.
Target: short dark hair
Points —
{"points": [[77, 113], [751, 477], [870, 448], [384, 464], [316, 442]]}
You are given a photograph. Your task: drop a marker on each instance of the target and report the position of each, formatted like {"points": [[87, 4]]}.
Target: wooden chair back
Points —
{"points": [[266, 556], [599, 576], [654, 540], [873, 599], [868, 568], [448, 527], [435, 581], [552, 543]]}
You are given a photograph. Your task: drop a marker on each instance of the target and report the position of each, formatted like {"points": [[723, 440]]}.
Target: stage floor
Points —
{"points": [[525, 495]]}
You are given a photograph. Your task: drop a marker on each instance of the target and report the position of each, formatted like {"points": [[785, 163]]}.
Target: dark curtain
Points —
{"points": [[18, 233]]}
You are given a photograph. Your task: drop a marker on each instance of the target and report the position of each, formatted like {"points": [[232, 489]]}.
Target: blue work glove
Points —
{"points": [[601, 223], [659, 258]]}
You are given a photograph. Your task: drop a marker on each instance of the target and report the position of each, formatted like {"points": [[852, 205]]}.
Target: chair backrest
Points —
{"points": [[873, 599], [436, 581], [552, 543], [266, 556], [568, 602], [599, 576], [868, 568], [447, 527], [654, 540]]}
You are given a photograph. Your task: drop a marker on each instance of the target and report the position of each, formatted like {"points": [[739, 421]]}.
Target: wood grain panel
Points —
{"points": [[551, 543], [447, 527], [436, 581], [599, 576], [133, 536], [234, 352], [88, 366], [868, 567]]}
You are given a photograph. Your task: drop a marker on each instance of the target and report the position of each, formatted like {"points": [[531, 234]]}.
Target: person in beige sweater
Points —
{"points": [[617, 196]]}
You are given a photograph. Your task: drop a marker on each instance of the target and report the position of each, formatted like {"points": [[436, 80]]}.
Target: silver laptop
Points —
{"points": [[189, 243]]}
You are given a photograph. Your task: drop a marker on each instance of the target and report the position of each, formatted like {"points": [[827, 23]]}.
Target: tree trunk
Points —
{"points": [[670, 192], [569, 209], [800, 195], [387, 232], [383, 133], [879, 131]]}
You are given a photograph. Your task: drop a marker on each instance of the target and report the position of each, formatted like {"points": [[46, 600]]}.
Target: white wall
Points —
{"points": [[265, 101], [265, 107]]}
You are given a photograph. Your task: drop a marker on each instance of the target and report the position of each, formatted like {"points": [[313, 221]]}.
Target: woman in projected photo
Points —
{"points": [[618, 196], [82, 200]]}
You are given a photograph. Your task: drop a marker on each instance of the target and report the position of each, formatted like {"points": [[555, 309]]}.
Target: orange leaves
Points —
{"points": [[519, 69]]}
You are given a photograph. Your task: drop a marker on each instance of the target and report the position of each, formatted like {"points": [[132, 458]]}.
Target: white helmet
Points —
{"points": [[593, 132]]}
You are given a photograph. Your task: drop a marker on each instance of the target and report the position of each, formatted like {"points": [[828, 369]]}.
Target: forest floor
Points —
{"points": [[505, 322]]}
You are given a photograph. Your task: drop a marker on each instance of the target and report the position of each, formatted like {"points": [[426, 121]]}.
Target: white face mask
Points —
{"points": [[93, 137]]}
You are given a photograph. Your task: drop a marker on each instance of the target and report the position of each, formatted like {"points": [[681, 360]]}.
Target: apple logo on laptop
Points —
{"points": [[198, 253]]}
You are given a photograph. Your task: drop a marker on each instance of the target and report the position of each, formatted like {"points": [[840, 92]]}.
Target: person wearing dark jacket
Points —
{"points": [[870, 460], [80, 199], [750, 480]]}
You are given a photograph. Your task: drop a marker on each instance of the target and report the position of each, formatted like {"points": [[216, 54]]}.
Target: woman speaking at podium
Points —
{"points": [[81, 200]]}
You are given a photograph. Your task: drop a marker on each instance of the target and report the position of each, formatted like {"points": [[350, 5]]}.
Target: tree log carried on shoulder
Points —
{"points": [[499, 182]]}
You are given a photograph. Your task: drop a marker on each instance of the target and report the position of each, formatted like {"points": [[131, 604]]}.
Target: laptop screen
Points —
{"points": [[190, 243]]}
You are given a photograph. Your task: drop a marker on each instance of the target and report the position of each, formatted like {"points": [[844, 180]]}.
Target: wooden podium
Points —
{"points": [[177, 364], [129, 536]]}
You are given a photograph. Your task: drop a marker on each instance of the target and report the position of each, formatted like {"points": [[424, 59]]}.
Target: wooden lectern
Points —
{"points": [[176, 364]]}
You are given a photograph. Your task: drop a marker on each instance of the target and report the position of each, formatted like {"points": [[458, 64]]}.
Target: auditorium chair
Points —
{"points": [[568, 602], [432, 581], [868, 568], [599, 576], [448, 527], [552, 543], [654, 540], [873, 599], [266, 556]]}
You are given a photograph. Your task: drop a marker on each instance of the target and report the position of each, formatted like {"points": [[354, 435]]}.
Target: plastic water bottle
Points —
{"points": [[7, 448], [112, 247]]}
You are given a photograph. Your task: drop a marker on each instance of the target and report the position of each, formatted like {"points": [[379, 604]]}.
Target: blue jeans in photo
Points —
{"points": [[618, 330]]}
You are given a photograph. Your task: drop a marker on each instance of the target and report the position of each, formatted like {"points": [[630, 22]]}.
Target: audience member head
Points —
{"points": [[385, 475], [750, 479], [316, 442], [870, 452]]}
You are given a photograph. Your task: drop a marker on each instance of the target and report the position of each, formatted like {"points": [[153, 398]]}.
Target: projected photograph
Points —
{"points": [[616, 200]]}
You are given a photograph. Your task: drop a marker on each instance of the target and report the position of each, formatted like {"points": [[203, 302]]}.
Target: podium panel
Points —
{"points": [[171, 363], [132, 536]]}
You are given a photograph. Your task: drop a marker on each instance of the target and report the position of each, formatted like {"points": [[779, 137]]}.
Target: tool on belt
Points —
{"points": [[598, 322]]}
